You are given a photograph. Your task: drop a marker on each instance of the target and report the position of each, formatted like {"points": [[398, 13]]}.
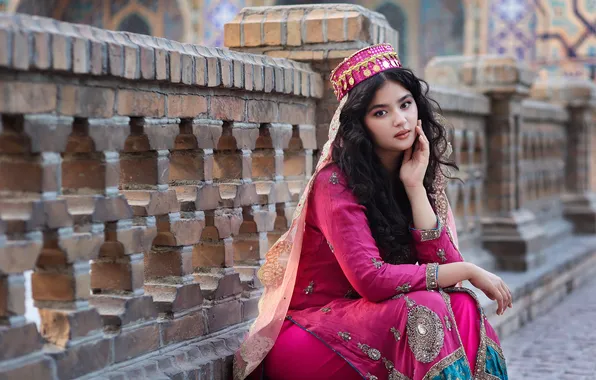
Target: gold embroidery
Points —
{"points": [[398, 296], [376, 263], [371, 377], [427, 235], [271, 273], [393, 373], [447, 323], [405, 288], [372, 353], [345, 336], [310, 288], [326, 310], [334, 179], [330, 247], [409, 302], [396, 334], [425, 333], [431, 276], [441, 254]]}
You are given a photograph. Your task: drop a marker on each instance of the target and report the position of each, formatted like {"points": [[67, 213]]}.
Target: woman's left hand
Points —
{"points": [[415, 162]]}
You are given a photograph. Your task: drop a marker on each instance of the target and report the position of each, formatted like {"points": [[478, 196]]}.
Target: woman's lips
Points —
{"points": [[402, 135]]}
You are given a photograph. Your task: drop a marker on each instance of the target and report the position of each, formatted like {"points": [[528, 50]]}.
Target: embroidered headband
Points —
{"points": [[362, 65]]}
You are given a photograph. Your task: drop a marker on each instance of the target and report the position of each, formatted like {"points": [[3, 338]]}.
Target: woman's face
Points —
{"points": [[391, 119]]}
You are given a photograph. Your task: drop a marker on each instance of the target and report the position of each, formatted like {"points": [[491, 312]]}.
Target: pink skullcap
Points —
{"points": [[362, 65]]}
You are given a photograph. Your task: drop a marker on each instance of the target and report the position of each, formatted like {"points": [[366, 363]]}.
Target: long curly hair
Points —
{"points": [[388, 209]]}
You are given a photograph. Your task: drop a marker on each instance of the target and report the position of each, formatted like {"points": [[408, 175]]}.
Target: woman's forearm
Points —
{"points": [[453, 273], [422, 212]]}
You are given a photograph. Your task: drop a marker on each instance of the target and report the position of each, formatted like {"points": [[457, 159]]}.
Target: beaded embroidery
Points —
{"points": [[441, 254], [372, 353], [425, 333], [403, 288], [396, 334], [345, 336], [310, 288], [376, 263]]}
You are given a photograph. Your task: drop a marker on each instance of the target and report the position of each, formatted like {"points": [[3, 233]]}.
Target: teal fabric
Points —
{"points": [[495, 364], [459, 370]]}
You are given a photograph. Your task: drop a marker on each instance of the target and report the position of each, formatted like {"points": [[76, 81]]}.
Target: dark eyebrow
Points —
{"points": [[385, 105]]}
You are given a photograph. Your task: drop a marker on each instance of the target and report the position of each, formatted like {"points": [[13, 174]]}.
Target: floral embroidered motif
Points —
{"points": [[393, 373], [372, 353], [334, 179], [326, 310], [409, 302], [377, 264], [310, 288], [401, 295], [272, 272], [330, 247], [425, 333], [437, 369], [371, 377], [431, 276], [447, 323], [441, 254], [345, 336], [403, 288], [396, 334]]}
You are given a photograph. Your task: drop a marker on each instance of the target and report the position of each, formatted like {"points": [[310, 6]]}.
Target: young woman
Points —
{"points": [[363, 285]]}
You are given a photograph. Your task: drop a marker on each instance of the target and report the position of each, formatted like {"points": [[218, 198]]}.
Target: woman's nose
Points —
{"points": [[399, 119]]}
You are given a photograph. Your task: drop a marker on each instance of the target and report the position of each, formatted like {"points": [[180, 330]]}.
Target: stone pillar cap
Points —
{"points": [[308, 32], [569, 91], [483, 73]]}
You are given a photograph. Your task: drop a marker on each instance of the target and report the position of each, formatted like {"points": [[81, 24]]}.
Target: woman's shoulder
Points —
{"points": [[331, 174]]}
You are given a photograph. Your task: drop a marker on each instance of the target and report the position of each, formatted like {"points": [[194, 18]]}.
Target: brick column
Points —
{"points": [[510, 232], [578, 96]]}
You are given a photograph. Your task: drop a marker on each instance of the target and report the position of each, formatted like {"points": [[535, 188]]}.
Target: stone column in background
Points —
{"points": [[510, 231], [579, 96]]}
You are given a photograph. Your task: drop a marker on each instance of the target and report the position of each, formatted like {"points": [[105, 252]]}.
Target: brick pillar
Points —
{"points": [[577, 95], [510, 232], [321, 35]]}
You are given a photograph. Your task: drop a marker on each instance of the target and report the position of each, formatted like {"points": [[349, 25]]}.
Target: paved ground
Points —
{"points": [[560, 345]]}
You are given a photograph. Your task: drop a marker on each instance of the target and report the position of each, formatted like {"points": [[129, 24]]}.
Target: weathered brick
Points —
{"points": [[213, 71], [200, 78], [174, 298], [19, 340], [186, 105], [49, 286], [139, 168], [262, 111], [47, 133], [27, 97], [86, 101], [37, 367], [125, 273], [227, 166], [252, 30], [232, 32], [183, 328], [187, 69], [140, 103], [12, 294], [172, 230], [186, 166], [227, 108], [39, 177], [313, 24], [21, 54], [80, 172], [335, 26], [151, 202], [135, 342], [41, 49], [83, 358], [355, 25], [5, 46], [224, 314], [80, 61], [294, 27], [168, 261], [272, 28]]}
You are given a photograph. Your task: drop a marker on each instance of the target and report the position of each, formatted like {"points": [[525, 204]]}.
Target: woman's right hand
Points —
{"points": [[493, 286]]}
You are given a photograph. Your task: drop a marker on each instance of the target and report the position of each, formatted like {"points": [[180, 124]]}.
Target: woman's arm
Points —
{"points": [[431, 242]]}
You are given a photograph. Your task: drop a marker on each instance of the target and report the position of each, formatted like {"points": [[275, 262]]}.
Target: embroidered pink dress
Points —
{"points": [[385, 321]]}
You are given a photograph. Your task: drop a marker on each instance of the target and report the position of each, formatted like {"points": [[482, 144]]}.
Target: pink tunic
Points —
{"points": [[384, 320]]}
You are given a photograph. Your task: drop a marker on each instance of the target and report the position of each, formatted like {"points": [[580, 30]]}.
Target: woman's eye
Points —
{"points": [[380, 113], [406, 105]]}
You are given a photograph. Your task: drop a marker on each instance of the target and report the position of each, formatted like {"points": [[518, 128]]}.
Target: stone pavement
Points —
{"points": [[560, 345]]}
